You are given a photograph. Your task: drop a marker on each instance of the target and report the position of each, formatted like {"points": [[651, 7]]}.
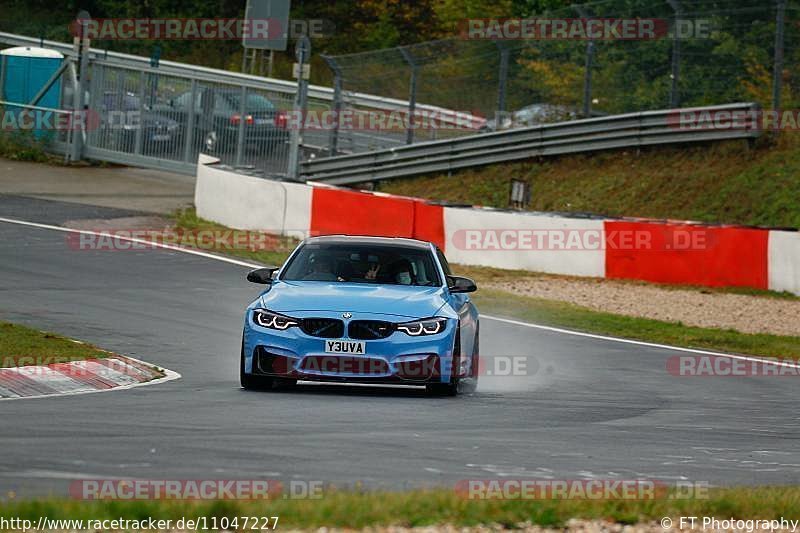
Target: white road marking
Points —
{"points": [[777, 362], [130, 239]]}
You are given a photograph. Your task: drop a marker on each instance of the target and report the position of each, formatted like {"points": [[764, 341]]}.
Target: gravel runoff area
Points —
{"points": [[691, 306]]}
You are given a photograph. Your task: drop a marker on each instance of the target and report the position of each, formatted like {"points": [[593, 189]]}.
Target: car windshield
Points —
{"points": [[363, 263], [254, 103], [116, 102]]}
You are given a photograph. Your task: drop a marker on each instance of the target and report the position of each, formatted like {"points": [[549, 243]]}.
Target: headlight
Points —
{"points": [[268, 319], [427, 326]]}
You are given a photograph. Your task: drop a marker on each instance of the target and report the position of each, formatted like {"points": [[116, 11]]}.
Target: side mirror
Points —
{"points": [[460, 284], [261, 275]]}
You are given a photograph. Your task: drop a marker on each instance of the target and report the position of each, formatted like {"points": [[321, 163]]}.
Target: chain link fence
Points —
{"points": [[173, 118], [714, 52], [710, 52]]}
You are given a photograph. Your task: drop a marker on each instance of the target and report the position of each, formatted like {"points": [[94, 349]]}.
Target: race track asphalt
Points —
{"points": [[586, 408]]}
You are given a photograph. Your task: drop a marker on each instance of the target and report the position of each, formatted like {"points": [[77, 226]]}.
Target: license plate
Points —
{"points": [[158, 138], [349, 347], [265, 122]]}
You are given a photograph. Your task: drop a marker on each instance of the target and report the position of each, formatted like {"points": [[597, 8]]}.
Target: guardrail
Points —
{"points": [[603, 133]]}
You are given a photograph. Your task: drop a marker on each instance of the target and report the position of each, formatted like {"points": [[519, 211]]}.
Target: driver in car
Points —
{"points": [[321, 270]]}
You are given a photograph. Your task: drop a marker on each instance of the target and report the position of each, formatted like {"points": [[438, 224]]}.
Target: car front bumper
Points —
{"points": [[396, 359]]}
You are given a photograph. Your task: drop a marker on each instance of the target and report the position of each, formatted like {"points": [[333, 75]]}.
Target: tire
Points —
{"points": [[470, 384], [283, 383], [467, 385], [249, 381], [252, 382], [452, 387], [443, 389]]}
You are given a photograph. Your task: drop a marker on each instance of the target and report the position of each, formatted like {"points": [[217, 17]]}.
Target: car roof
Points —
{"points": [[369, 240]]}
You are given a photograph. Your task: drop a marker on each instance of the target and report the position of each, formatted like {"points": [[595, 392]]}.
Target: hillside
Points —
{"points": [[726, 182]]}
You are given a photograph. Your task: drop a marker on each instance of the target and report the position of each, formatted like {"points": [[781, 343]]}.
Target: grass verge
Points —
{"points": [[22, 346], [566, 315], [25, 146], [187, 221], [427, 507], [725, 182]]}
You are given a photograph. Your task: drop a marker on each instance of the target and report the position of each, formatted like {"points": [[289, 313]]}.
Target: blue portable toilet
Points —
{"points": [[25, 71]]}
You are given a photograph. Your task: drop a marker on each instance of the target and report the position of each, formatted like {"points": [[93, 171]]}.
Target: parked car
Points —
{"points": [[218, 117], [120, 119], [531, 115]]}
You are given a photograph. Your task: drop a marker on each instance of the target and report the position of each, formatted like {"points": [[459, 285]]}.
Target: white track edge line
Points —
{"points": [[131, 239], [641, 343], [488, 317]]}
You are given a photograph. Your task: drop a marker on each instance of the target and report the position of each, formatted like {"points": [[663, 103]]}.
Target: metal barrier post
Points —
{"points": [[2, 77], [777, 72], [82, 74], [674, 89], [188, 139], [501, 81], [96, 101], [587, 73], [240, 133], [333, 140], [137, 149], [303, 53]]}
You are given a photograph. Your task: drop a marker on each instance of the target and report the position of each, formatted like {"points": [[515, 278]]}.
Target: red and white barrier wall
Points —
{"points": [[783, 261], [657, 251]]}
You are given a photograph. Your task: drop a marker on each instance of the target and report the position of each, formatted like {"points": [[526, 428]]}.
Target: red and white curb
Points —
{"points": [[80, 377]]}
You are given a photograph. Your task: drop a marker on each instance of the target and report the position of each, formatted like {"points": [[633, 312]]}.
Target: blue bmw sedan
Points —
{"points": [[362, 310]]}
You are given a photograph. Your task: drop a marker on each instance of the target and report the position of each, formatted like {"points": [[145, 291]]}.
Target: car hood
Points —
{"points": [[403, 301]]}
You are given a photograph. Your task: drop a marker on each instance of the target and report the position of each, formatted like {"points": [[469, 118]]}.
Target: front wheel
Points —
{"points": [[248, 381], [443, 389], [470, 384], [252, 382]]}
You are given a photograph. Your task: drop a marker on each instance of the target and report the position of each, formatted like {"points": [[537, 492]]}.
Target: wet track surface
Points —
{"points": [[586, 408]]}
